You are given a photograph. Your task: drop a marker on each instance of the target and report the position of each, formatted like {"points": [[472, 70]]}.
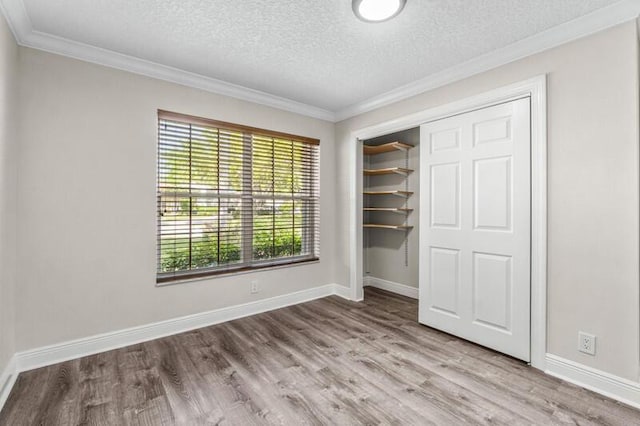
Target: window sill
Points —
{"points": [[207, 275]]}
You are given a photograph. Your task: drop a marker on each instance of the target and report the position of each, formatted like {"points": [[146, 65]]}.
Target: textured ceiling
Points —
{"points": [[316, 52]]}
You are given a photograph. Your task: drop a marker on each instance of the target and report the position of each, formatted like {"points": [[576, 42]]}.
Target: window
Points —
{"points": [[233, 198]]}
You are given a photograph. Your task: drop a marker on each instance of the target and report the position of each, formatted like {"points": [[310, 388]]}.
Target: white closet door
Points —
{"points": [[475, 226]]}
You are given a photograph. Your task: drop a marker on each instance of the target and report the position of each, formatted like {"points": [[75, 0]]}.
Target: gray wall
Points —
{"points": [[8, 83], [87, 208], [593, 234], [384, 253]]}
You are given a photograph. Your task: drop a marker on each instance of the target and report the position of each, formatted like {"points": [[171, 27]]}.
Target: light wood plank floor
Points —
{"points": [[326, 362]]}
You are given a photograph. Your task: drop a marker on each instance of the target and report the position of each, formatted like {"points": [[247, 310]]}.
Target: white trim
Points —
{"points": [[73, 349], [342, 291], [25, 35], [356, 278], [583, 26], [539, 223], [17, 18], [7, 380], [536, 89], [598, 20], [598, 381], [393, 287]]}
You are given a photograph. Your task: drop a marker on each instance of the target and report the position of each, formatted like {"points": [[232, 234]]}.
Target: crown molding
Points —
{"points": [[17, 18], [20, 24], [583, 26], [601, 19]]}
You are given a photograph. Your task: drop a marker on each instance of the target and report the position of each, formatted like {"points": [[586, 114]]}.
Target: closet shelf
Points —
{"points": [[383, 226], [388, 209], [404, 194], [388, 171], [387, 147]]}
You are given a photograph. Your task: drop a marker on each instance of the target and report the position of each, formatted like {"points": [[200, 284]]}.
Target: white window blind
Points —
{"points": [[233, 198]]}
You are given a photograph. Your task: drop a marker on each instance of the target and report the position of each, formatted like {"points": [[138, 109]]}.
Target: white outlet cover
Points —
{"points": [[586, 343]]}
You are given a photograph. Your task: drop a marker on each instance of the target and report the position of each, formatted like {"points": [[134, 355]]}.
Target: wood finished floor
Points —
{"points": [[329, 361]]}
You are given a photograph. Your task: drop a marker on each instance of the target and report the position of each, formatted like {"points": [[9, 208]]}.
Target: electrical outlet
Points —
{"points": [[586, 343], [255, 288]]}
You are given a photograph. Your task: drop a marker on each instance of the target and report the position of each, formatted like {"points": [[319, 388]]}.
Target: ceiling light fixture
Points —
{"points": [[377, 10]]}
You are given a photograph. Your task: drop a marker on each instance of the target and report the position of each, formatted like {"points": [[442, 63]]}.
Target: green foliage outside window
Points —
{"points": [[204, 252]]}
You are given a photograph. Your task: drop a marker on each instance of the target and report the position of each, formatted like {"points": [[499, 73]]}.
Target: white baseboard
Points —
{"points": [[342, 291], [391, 286], [598, 381], [614, 387], [53, 354], [7, 379]]}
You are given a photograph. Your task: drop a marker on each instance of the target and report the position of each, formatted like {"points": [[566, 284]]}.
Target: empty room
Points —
{"points": [[335, 212]]}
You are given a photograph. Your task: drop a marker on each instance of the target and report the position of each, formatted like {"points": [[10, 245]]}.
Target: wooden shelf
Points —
{"points": [[387, 147], [380, 149], [387, 209], [382, 226], [388, 171], [404, 194]]}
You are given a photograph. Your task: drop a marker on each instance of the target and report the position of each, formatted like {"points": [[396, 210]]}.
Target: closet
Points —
{"points": [[390, 211], [472, 258]]}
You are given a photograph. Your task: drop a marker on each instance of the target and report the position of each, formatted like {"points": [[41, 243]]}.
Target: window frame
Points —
{"points": [[310, 242]]}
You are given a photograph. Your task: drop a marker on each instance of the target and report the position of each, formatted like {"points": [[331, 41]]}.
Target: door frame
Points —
{"points": [[534, 88]]}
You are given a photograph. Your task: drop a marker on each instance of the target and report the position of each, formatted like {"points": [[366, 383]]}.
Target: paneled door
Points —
{"points": [[475, 226]]}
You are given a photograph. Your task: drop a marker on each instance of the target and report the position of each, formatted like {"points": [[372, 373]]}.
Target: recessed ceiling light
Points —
{"points": [[377, 10]]}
